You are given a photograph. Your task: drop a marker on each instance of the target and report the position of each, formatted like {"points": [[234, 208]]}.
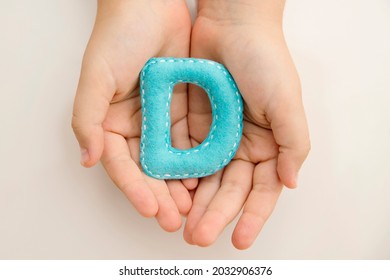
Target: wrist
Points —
{"points": [[243, 12]]}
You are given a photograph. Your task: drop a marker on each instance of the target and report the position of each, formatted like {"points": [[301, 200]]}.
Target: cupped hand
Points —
{"points": [[107, 112], [275, 138]]}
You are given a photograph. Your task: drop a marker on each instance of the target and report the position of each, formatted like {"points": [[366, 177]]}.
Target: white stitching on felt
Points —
{"points": [[167, 115]]}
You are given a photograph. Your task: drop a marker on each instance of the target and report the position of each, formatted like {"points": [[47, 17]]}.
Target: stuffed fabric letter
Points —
{"points": [[158, 78]]}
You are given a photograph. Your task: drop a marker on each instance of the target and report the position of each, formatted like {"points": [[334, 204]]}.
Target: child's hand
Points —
{"points": [[248, 39], [107, 115]]}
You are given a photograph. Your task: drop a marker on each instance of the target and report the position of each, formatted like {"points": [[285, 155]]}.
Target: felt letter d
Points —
{"points": [[158, 78]]}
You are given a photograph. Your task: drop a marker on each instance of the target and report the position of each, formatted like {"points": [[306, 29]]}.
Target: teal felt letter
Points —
{"points": [[158, 78]]}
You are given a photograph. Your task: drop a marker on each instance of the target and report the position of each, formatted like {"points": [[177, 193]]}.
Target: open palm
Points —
{"points": [[268, 156], [107, 115], [107, 112]]}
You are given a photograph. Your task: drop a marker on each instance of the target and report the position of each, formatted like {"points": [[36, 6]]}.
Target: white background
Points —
{"points": [[51, 207]]}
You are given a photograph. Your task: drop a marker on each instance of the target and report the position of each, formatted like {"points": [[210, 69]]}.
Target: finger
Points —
{"points": [[94, 92], [259, 205], [204, 193], [289, 125], [125, 173], [168, 215], [227, 203], [190, 183], [180, 195], [180, 137]]}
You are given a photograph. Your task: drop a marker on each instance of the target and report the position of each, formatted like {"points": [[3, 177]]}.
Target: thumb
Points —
{"points": [[289, 126], [93, 96]]}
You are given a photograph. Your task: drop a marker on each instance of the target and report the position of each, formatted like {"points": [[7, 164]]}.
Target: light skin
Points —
{"points": [[246, 36], [106, 115]]}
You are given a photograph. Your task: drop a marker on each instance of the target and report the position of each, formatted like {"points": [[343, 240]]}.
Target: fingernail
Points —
{"points": [[84, 156]]}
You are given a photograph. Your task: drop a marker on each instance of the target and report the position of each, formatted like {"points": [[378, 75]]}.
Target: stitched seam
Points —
{"points": [[167, 123]]}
